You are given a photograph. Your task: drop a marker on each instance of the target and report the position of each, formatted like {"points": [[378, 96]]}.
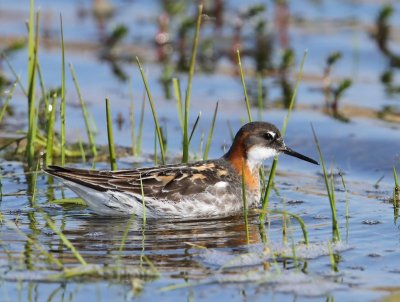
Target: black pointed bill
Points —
{"points": [[293, 153]]}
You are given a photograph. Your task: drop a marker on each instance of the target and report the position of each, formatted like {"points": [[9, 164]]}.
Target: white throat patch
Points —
{"points": [[257, 154]]}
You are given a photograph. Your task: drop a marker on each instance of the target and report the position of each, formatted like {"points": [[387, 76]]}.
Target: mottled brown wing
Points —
{"points": [[171, 181]]}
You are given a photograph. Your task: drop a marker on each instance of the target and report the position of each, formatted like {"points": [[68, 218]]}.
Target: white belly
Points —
{"points": [[205, 204]]}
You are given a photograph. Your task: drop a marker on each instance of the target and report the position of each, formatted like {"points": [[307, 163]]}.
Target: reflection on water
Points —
{"points": [[176, 248], [168, 244]]}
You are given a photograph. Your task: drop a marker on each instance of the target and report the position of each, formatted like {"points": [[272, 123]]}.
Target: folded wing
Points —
{"points": [[172, 182]]}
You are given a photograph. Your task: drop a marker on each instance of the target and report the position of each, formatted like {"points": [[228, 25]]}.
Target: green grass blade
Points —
{"points": [[332, 259], [33, 45], [246, 97], [231, 133], [335, 227], [155, 148], [1, 196], [201, 143], [8, 98], [143, 203], [83, 155], [177, 89], [64, 239], [347, 216], [332, 190], [21, 86], [84, 111], [141, 123], [124, 236], [194, 126], [133, 133], [283, 131], [50, 132], [292, 100], [186, 145], [111, 148], [43, 250], [63, 136], [69, 201], [210, 133], [153, 110], [132, 119], [44, 91], [396, 192], [34, 183], [298, 219], [260, 100], [346, 194]]}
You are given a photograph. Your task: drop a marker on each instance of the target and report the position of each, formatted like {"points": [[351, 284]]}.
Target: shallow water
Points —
{"points": [[210, 259]]}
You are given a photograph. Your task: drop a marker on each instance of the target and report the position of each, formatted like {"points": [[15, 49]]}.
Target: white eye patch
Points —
{"points": [[273, 134]]}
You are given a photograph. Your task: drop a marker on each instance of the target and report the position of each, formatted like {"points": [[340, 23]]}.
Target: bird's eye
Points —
{"points": [[268, 136]]}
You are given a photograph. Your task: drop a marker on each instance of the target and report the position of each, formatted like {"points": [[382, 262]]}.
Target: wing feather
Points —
{"points": [[172, 182]]}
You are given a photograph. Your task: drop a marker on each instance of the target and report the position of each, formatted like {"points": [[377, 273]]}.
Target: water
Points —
{"points": [[210, 259]]}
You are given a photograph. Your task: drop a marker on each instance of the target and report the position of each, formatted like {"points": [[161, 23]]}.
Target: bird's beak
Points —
{"points": [[290, 152]]}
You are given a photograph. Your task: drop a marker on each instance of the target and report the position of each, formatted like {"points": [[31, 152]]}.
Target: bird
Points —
{"points": [[201, 189]]}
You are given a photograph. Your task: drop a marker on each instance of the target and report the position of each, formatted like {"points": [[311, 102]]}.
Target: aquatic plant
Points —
{"points": [[195, 126], [186, 145], [396, 190], [7, 100], [64, 239], [334, 93], [387, 79], [210, 133], [111, 147], [337, 93], [62, 110], [84, 112], [246, 98], [347, 215], [330, 61], [50, 258], [33, 44], [382, 34], [284, 70], [153, 110], [141, 123], [260, 96], [50, 131], [329, 189], [83, 153], [292, 215], [178, 96], [283, 131], [109, 52]]}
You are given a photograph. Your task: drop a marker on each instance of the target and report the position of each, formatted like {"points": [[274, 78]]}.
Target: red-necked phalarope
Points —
{"points": [[199, 189]]}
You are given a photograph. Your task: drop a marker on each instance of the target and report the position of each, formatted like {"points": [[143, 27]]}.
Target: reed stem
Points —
{"points": [[185, 155], [63, 136], [246, 97], [111, 148], [286, 121], [210, 134], [84, 111], [153, 110]]}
